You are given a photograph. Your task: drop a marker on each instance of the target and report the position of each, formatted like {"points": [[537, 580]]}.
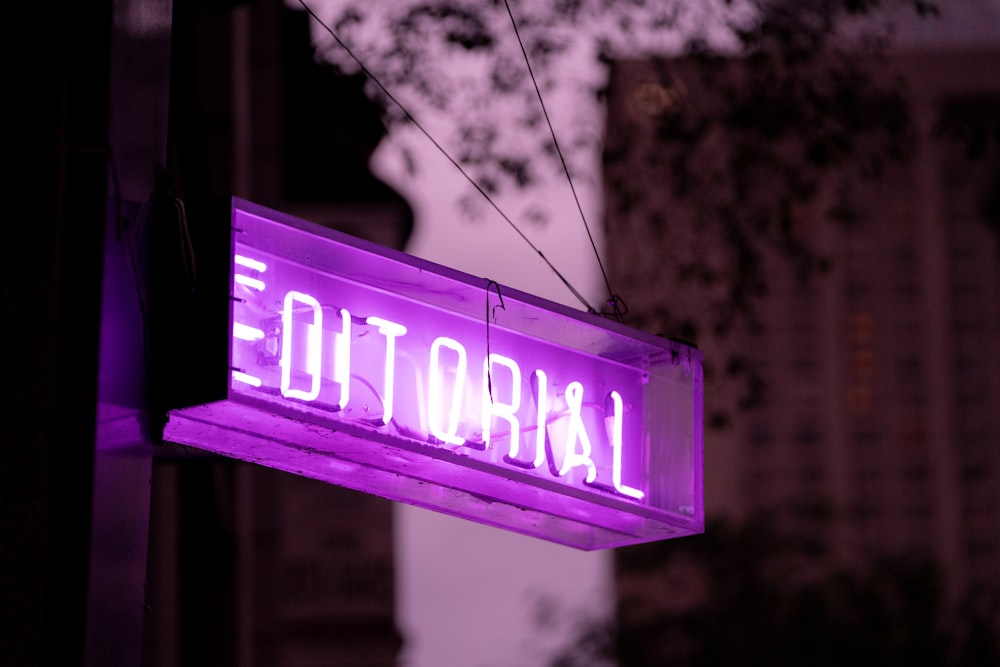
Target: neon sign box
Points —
{"points": [[374, 370]]}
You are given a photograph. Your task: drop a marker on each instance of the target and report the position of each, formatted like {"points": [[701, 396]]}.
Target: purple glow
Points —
{"points": [[437, 402], [342, 360], [577, 433], [313, 345], [240, 376], [493, 407], [368, 368], [241, 260], [244, 332], [391, 330], [614, 425]]}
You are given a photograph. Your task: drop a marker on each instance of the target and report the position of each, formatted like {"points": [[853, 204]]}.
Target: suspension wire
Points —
{"points": [[441, 149], [489, 363], [618, 306]]}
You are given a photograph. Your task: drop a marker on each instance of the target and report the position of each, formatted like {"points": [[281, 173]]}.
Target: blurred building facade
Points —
{"points": [[881, 378]]}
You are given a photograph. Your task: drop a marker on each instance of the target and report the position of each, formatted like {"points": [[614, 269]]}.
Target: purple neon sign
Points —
{"points": [[381, 372]]}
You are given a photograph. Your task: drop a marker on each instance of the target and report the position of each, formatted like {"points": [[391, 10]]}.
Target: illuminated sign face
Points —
{"points": [[377, 371]]}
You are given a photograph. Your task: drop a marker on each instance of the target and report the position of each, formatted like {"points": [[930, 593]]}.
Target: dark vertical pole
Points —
{"points": [[73, 494], [137, 129]]}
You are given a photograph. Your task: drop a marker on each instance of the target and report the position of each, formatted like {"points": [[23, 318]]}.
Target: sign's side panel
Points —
{"points": [[673, 421]]}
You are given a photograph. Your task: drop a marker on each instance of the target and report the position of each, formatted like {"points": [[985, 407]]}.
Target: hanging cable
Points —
{"points": [[445, 153], [489, 364], [617, 304]]}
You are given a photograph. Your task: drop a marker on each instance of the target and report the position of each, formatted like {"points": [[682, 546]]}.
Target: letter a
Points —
{"points": [[577, 433]]}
